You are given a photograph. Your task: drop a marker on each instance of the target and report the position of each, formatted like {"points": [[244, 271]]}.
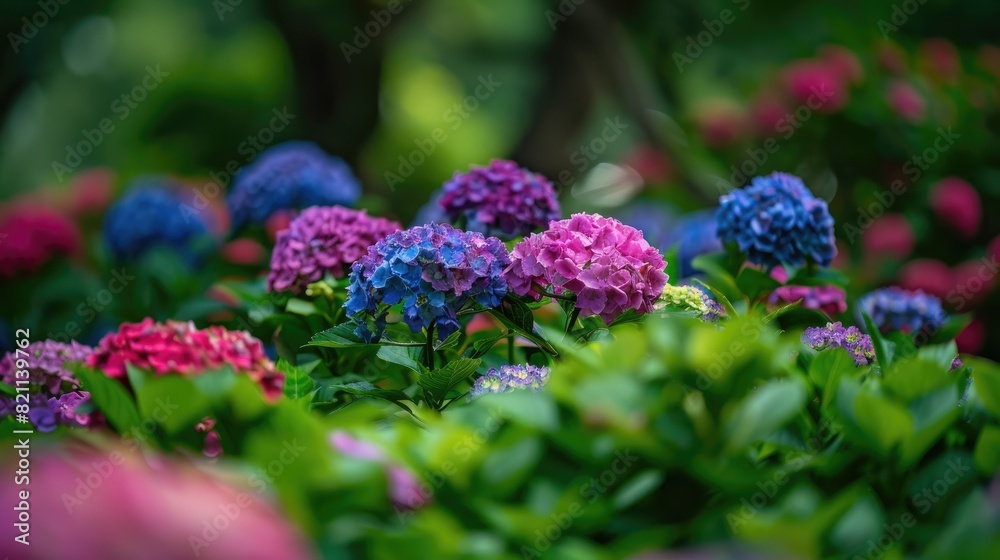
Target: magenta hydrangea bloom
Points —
{"points": [[501, 199], [177, 347], [54, 393], [323, 240], [828, 299], [607, 264]]}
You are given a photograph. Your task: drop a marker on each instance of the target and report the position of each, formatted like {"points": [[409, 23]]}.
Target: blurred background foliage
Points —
{"points": [[698, 90]]}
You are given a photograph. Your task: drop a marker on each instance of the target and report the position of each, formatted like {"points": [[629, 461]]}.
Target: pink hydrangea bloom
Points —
{"points": [[607, 264], [323, 240], [145, 507], [957, 203], [828, 299], [814, 81], [30, 237], [929, 275], [180, 348]]}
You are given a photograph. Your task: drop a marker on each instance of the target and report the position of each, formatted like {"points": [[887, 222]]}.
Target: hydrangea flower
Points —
{"points": [[691, 298], [433, 271], [834, 335], [501, 199], [656, 221], [957, 363], [30, 237], [177, 347], [288, 176], [54, 390], [154, 214], [776, 220], [323, 240], [828, 299], [508, 378], [607, 264], [896, 309]]}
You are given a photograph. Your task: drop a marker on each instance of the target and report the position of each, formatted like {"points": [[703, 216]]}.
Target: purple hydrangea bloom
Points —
{"points": [[896, 309], [956, 363], [510, 378], [323, 240], [776, 220], [501, 199], [434, 271], [290, 176], [834, 335], [714, 312], [54, 394]]}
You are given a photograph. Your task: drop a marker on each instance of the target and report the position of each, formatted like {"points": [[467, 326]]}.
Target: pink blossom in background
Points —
{"points": [[843, 61], [891, 235], [970, 340], [940, 59], [720, 122], [110, 505], [766, 112], [906, 101], [973, 280], [957, 203], [31, 237], [278, 222], [654, 165], [244, 251], [813, 81], [929, 275], [828, 299], [92, 191], [989, 59]]}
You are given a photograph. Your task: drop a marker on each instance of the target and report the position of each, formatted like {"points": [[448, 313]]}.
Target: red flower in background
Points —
{"points": [[815, 81], [890, 235], [906, 101], [957, 203], [30, 237]]}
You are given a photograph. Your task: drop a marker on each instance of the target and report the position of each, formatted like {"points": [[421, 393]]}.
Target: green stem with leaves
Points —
{"points": [[429, 348]]}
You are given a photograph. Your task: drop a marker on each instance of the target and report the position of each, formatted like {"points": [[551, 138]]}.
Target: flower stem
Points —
{"points": [[429, 347], [571, 320]]}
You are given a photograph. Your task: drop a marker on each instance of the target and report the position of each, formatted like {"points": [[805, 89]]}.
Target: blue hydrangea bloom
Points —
{"points": [[510, 378], [290, 176], [656, 221], [776, 220], [153, 213], [896, 309], [433, 271]]}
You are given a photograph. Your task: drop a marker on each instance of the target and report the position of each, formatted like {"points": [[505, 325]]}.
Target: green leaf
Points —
{"points": [[110, 397], [987, 456], [673, 269], [360, 390], [817, 277], [401, 355], [910, 379], [871, 420], [438, 382], [884, 349], [8, 390], [826, 370], [986, 378], [933, 414], [755, 283], [715, 265], [341, 336], [628, 316], [515, 315], [298, 383], [951, 328], [721, 297], [173, 402], [763, 412], [137, 377], [780, 311], [300, 307], [481, 347]]}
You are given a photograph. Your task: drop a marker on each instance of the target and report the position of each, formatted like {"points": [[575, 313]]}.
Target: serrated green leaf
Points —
{"points": [[438, 382], [515, 315], [298, 383], [403, 356], [360, 390]]}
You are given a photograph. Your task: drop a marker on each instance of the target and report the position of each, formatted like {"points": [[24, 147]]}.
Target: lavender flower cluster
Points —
{"points": [[835, 335], [54, 395], [510, 378]]}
